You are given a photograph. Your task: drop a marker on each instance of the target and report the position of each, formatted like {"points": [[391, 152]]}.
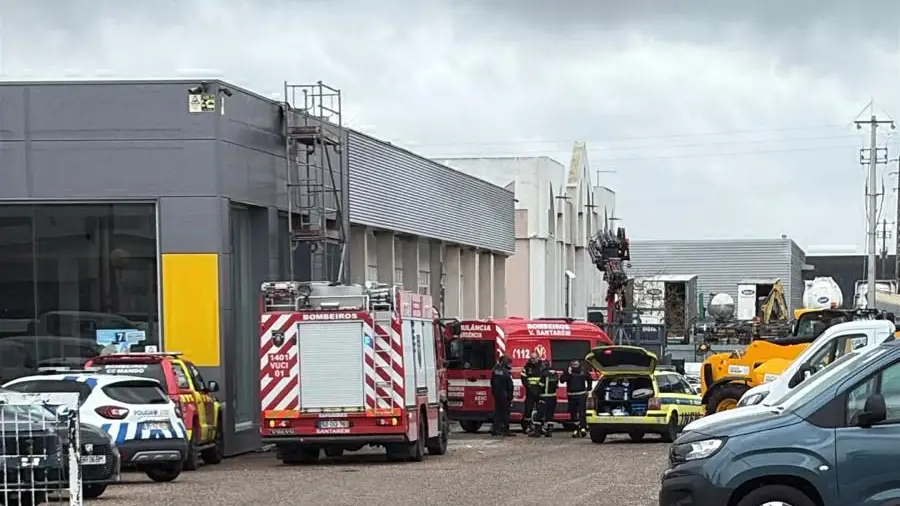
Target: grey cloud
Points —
{"points": [[482, 77]]}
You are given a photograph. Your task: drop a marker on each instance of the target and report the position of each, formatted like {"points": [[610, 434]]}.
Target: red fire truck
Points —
{"points": [[480, 342], [345, 366]]}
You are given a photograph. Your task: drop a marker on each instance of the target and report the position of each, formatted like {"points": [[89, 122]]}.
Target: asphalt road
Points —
{"points": [[478, 469]]}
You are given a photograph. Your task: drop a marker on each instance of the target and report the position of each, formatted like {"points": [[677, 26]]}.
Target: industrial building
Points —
{"points": [[557, 212], [160, 207], [721, 265]]}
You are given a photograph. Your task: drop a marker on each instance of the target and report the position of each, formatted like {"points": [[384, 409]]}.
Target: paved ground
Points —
{"points": [[478, 469]]}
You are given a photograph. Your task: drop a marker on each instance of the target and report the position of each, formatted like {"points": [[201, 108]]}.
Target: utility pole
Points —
{"points": [[872, 197], [897, 229], [885, 234]]}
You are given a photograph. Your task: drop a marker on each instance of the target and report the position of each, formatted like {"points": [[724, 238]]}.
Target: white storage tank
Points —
{"points": [[822, 293]]}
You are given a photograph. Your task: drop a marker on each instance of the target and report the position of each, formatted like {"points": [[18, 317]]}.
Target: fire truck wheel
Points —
{"points": [[470, 426], [298, 455], [417, 448], [333, 452], [438, 445]]}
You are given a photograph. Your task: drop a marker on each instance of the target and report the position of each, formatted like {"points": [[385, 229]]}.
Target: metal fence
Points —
{"points": [[41, 441]]}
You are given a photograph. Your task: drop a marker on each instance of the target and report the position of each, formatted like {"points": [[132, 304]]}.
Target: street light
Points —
{"points": [[569, 277]]}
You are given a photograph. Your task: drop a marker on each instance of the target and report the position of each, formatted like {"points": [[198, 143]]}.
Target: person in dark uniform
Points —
{"points": [[502, 389], [531, 374], [547, 385], [578, 384]]}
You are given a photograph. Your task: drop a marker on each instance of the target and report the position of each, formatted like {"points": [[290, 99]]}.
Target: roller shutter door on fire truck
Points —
{"points": [[331, 365]]}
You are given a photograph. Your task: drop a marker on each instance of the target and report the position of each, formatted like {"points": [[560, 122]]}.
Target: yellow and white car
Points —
{"points": [[634, 397]]}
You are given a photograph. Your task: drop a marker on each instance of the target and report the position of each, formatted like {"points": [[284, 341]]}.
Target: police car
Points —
{"points": [[144, 423], [635, 397]]}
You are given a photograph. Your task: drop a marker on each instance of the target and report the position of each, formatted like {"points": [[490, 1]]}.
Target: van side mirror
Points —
{"points": [[873, 412], [455, 328], [803, 373], [213, 386]]}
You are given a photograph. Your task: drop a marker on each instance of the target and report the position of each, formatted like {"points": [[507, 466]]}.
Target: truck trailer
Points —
{"points": [[668, 300]]}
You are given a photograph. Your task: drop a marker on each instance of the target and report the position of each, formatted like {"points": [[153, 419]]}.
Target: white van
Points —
{"points": [[832, 344]]}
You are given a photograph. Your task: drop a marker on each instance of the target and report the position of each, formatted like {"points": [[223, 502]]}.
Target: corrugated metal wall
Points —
{"points": [[721, 265], [395, 189]]}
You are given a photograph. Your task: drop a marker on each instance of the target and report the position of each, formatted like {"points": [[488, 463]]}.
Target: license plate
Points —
{"points": [[156, 425], [93, 460], [334, 424]]}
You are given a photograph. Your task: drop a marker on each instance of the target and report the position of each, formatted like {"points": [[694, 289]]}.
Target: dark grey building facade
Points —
{"points": [[721, 264], [120, 206]]}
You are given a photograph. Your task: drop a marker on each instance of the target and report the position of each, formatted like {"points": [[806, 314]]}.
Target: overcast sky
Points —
{"points": [[720, 119]]}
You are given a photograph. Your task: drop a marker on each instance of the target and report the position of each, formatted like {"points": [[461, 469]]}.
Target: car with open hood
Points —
{"points": [[635, 397], [830, 441]]}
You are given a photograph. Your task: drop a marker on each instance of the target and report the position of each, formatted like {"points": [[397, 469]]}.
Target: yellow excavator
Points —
{"points": [[724, 377]]}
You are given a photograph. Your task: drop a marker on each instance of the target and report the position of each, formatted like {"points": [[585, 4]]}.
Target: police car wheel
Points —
{"points": [[192, 461], [597, 436], [93, 491], [776, 494], [636, 435], [163, 473]]}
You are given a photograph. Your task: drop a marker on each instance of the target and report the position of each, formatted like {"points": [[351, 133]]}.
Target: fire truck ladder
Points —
{"points": [[316, 179], [385, 392], [381, 297]]}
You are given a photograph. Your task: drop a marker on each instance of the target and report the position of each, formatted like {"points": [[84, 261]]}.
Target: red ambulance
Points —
{"points": [[473, 354]]}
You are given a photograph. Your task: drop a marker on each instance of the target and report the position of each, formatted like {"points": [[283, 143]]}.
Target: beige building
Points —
{"points": [[557, 212]]}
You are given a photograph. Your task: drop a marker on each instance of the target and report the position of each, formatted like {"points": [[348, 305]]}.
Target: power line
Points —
{"points": [[670, 157], [627, 138]]}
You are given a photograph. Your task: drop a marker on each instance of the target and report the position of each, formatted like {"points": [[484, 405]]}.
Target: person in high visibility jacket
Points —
{"points": [[547, 386], [530, 376], [578, 386]]}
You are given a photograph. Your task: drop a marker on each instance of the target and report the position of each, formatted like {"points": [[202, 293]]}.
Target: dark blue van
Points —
{"points": [[834, 440]]}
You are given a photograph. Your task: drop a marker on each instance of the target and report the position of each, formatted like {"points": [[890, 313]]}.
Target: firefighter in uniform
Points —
{"points": [[502, 390], [578, 385], [547, 385], [531, 374]]}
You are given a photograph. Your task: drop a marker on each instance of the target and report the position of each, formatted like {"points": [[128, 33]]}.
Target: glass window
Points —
{"points": [[144, 370], [136, 392], [77, 278], [665, 384], [53, 386], [889, 380], [245, 297], [181, 379], [471, 354], [563, 351], [837, 349], [196, 377]]}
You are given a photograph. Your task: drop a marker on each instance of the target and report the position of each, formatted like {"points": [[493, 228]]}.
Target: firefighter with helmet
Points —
{"points": [[530, 376], [578, 383], [548, 383]]}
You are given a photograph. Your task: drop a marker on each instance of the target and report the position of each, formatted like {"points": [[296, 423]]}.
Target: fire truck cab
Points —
{"points": [[346, 366], [473, 354]]}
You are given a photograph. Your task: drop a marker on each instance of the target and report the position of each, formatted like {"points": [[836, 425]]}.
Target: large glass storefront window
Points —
{"points": [[76, 280]]}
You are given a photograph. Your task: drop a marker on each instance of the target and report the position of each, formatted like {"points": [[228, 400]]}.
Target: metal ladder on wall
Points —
{"points": [[316, 182]]}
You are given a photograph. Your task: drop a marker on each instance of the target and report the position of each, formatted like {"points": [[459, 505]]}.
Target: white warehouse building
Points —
{"points": [[557, 212]]}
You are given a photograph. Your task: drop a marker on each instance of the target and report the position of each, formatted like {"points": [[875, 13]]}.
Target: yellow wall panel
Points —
{"points": [[190, 284]]}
